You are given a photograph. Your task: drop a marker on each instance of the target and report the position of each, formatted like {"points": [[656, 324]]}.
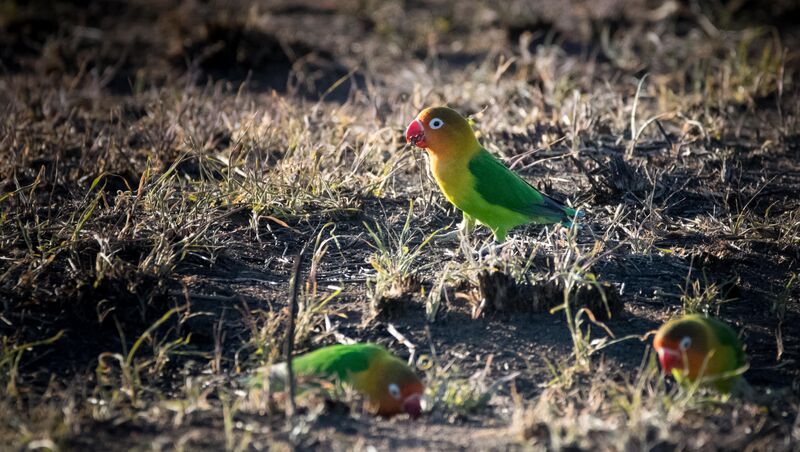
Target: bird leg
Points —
{"points": [[466, 227], [467, 224], [493, 249]]}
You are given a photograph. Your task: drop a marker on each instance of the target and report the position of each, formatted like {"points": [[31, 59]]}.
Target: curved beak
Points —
{"points": [[415, 134], [669, 359], [412, 406]]}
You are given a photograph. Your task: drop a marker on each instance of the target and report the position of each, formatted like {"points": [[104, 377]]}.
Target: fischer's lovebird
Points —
{"points": [[389, 384], [695, 346], [475, 181]]}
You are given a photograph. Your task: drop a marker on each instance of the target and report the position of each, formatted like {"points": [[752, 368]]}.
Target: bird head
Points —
{"points": [[442, 131], [684, 345], [397, 389]]}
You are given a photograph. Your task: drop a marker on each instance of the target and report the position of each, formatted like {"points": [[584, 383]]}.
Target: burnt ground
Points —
{"points": [[164, 164]]}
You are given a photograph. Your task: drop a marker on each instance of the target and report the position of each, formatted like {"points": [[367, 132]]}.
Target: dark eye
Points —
{"points": [[394, 391], [686, 342], [435, 123]]}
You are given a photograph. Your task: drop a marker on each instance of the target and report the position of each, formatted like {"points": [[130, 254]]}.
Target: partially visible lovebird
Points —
{"points": [[390, 386], [475, 181], [697, 346]]}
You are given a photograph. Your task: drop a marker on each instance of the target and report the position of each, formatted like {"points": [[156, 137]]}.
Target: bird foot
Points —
{"points": [[448, 237], [492, 249]]}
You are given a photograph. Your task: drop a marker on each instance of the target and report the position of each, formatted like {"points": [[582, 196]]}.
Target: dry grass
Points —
{"points": [[162, 166]]}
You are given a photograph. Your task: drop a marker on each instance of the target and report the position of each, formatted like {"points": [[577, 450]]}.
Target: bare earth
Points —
{"points": [[163, 164]]}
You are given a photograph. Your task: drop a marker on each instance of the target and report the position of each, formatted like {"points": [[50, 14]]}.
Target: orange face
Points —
{"points": [[682, 346], [408, 401], [396, 389], [442, 131]]}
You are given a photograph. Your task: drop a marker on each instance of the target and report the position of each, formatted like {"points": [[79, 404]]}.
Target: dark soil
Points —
{"points": [[121, 93]]}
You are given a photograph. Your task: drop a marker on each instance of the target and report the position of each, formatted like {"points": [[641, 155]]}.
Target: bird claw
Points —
{"points": [[456, 235]]}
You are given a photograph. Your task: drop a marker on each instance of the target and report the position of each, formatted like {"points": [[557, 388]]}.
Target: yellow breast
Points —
{"points": [[453, 177]]}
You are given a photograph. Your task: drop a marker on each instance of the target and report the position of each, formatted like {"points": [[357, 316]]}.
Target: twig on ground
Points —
{"points": [[412, 349], [294, 287]]}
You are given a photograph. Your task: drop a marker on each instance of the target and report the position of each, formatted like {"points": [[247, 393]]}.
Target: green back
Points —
{"points": [[495, 183], [337, 360], [726, 337]]}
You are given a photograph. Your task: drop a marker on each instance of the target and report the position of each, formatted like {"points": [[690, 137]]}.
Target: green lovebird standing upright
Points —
{"points": [[475, 181], [390, 386], [695, 346]]}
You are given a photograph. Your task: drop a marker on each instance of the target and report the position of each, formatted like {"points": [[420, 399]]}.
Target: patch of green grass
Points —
{"points": [[458, 396], [704, 297], [395, 261]]}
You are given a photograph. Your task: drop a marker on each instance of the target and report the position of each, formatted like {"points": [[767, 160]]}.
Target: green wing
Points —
{"points": [[337, 360], [727, 337], [495, 183]]}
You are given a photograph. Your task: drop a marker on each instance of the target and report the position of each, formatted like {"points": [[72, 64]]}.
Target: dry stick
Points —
{"points": [[412, 349], [294, 287], [664, 133], [429, 336]]}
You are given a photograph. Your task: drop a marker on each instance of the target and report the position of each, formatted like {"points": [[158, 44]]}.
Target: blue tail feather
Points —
{"points": [[572, 214]]}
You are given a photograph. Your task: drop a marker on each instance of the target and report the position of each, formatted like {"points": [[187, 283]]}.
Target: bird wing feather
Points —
{"points": [[498, 185], [339, 360]]}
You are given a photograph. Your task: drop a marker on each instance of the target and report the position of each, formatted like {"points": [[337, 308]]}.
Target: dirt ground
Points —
{"points": [[164, 163]]}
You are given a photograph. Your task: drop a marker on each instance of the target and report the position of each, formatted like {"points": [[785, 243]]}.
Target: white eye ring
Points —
{"points": [[435, 123], [394, 391], [686, 342]]}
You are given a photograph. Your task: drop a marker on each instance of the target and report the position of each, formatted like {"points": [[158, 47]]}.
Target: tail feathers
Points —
{"points": [[274, 377], [571, 215], [568, 214]]}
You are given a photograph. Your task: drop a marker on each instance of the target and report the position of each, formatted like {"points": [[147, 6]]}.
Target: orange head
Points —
{"points": [[684, 346], [394, 388], [443, 132]]}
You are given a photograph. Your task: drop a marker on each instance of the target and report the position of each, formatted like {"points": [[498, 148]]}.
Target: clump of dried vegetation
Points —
{"points": [[163, 163]]}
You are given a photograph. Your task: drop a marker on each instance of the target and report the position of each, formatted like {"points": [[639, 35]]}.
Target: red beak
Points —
{"points": [[412, 406], [669, 359], [415, 134]]}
